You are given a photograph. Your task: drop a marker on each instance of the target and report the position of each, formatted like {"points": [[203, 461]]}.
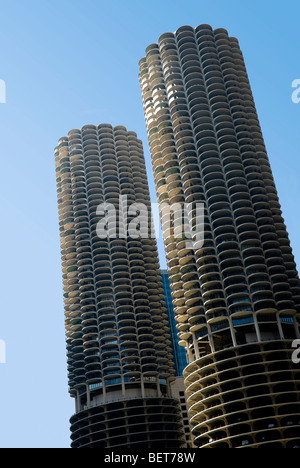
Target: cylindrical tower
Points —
{"points": [[236, 296], [118, 346]]}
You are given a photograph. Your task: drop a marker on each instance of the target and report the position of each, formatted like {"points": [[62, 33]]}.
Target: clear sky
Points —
{"points": [[69, 63]]}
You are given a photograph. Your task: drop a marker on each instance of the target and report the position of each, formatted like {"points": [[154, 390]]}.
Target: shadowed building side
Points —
{"points": [[179, 353]]}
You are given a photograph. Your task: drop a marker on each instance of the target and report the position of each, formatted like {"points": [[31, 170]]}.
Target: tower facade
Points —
{"points": [[118, 343], [179, 353], [236, 296], [179, 359]]}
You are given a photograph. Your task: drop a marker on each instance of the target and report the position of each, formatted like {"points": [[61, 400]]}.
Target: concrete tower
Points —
{"points": [[236, 296], [118, 343]]}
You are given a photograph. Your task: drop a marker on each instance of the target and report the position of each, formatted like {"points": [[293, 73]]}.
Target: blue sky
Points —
{"points": [[69, 63]]}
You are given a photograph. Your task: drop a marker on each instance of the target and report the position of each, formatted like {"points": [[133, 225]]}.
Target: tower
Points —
{"points": [[236, 296], [118, 346]]}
